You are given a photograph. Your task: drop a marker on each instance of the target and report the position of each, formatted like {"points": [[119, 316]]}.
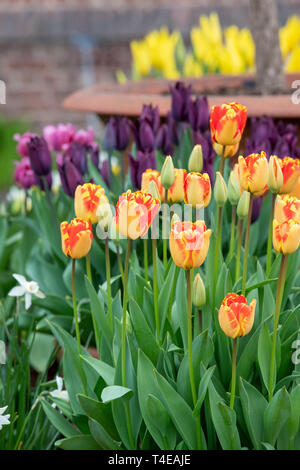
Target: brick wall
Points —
{"points": [[40, 60]]}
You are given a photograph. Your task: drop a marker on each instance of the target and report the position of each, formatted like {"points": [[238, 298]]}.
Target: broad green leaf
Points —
{"points": [[264, 355], [276, 415], [161, 420], [101, 437], [100, 412], [202, 351], [58, 421], [143, 333], [254, 405], [99, 314], [80, 442], [204, 382], [179, 411], [224, 420], [104, 370], [115, 392]]}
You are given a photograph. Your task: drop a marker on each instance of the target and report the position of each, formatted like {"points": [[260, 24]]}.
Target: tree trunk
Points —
{"points": [[270, 77]]}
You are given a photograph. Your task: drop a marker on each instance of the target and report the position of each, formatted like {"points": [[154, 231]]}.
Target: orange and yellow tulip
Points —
{"points": [[286, 236], [176, 191], [135, 213], [296, 189], [227, 123], [189, 243], [287, 207], [76, 238], [290, 168], [254, 173], [152, 175], [197, 189], [86, 201], [236, 317]]}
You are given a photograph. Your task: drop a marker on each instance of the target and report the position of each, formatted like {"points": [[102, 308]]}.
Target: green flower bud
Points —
{"points": [[196, 159], [220, 190], [153, 190], [198, 292], [234, 191], [275, 180], [243, 205], [167, 172]]}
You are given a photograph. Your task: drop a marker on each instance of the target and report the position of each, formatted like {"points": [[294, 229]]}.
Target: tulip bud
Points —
{"points": [[104, 214], [175, 219], [234, 191], [153, 190], [198, 293], [196, 159], [243, 205], [39, 155], [275, 180], [220, 190], [167, 173]]}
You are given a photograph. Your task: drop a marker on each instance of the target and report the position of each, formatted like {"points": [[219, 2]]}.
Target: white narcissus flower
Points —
{"points": [[27, 288], [59, 392], [4, 419]]}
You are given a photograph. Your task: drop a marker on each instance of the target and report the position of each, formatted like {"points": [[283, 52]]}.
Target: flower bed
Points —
{"points": [[179, 266]]}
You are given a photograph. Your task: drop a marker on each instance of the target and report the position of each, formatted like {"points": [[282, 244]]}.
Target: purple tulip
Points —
{"points": [[173, 129], [143, 136], [151, 116], [23, 141], [77, 155], [163, 140], [181, 96], [143, 162], [24, 174], [104, 172], [117, 134], [70, 176], [93, 150], [39, 155], [198, 114]]}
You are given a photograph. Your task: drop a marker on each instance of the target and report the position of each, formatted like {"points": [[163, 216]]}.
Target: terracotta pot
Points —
{"points": [[128, 99]]}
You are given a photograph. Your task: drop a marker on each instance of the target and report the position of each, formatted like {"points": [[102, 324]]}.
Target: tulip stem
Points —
{"points": [[125, 300], [216, 260], [190, 352], [172, 293], [233, 378], [245, 263], [88, 267], [155, 288], [77, 323], [222, 162], [279, 295], [232, 234], [239, 248], [120, 263], [109, 299], [269, 247], [89, 276], [165, 252], [146, 258]]}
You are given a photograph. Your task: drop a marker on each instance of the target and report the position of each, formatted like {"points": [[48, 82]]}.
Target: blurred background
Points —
{"points": [[50, 48]]}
